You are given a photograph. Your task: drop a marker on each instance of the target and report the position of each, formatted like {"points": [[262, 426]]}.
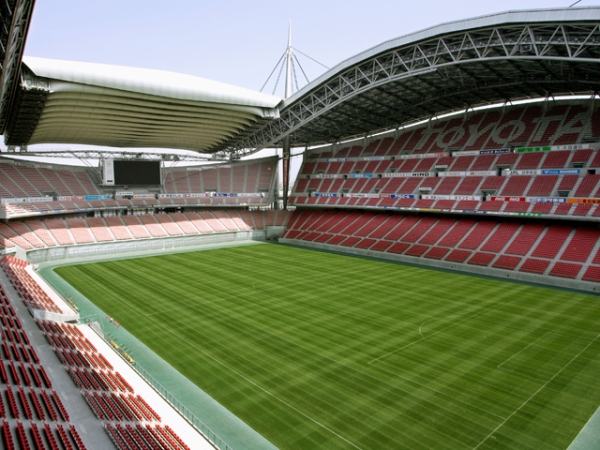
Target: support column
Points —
{"points": [[286, 170]]}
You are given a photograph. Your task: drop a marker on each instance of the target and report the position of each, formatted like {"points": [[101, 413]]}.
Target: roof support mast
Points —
{"points": [[286, 153]]}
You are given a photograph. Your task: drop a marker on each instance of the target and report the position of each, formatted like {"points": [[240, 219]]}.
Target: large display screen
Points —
{"points": [[136, 173]]}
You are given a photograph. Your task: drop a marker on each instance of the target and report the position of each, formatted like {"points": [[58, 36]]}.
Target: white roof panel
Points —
{"points": [[149, 81]]}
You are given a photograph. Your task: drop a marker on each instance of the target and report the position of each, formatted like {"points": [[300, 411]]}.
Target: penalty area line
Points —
{"points": [[440, 393], [535, 393], [258, 386], [429, 336]]}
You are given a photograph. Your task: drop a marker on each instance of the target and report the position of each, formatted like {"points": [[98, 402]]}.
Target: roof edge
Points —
{"points": [[149, 81], [590, 13]]}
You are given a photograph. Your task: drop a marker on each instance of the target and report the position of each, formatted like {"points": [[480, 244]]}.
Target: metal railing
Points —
{"points": [[182, 409], [200, 426], [143, 245]]}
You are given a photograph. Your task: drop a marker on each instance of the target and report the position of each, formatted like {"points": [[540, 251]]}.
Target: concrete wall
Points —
{"points": [[157, 244]]}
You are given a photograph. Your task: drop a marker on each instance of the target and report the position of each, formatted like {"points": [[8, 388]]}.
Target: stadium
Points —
{"points": [[429, 279]]}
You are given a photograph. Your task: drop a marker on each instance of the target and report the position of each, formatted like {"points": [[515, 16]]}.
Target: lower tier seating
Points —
{"points": [[558, 250], [26, 392], [52, 232]]}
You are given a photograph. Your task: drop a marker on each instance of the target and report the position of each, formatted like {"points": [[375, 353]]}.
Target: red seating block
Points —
{"points": [[566, 270], [581, 244], [542, 208], [501, 235], [381, 245], [64, 437], [458, 256], [492, 206], [552, 241], [25, 404], [481, 259], [76, 438], [12, 403], [507, 262], [336, 239], [37, 437], [417, 250], [61, 408], [398, 247], [582, 209], [525, 239], [436, 252], [22, 436], [563, 209], [37, 405], [350, 241], [50, 437], [366, 243], [518, 207], [8, 439], [49, 407], [592, 274]]}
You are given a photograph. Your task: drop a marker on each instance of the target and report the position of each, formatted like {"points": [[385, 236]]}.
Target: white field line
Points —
{"points": [[433, 334], [245, 378], [435, 318], [534, 342], [535, 393], [522, 350], [322, 319], [257, 386], [442, 394], [370, 362], [189, 306]]}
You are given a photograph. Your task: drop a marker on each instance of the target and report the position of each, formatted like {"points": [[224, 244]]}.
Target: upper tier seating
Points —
{"points": [[243, 178], [422, 153], [21, 181], [33, 191], [525, 125]]}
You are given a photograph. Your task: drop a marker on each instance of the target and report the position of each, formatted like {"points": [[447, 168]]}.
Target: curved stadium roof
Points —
{"points": [[118, 106], [502, 57], [465, 64]]}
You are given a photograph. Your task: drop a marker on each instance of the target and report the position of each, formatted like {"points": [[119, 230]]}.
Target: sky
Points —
{"points": [[239, 42]]}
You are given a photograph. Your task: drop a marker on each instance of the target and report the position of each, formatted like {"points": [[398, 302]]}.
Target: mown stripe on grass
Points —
{"points": [[283, 336]]}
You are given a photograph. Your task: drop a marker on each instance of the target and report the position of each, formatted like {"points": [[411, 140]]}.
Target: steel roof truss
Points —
{"points": [[587, 39], [507, 44]]}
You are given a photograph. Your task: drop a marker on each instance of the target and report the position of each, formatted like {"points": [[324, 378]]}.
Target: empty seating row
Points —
{"points": [[156, 437], [36, 208], [524, 126], [21, 181], [31, 293], [73, 231], [495, 206], [26, 393], [587, 186], [335, 168], [54, 437], [22, 401], [66, 182], [242, 178], [557, 250], [110, 396]]}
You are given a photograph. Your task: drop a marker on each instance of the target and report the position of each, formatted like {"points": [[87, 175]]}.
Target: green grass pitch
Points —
{"points": [[318, 350]]}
